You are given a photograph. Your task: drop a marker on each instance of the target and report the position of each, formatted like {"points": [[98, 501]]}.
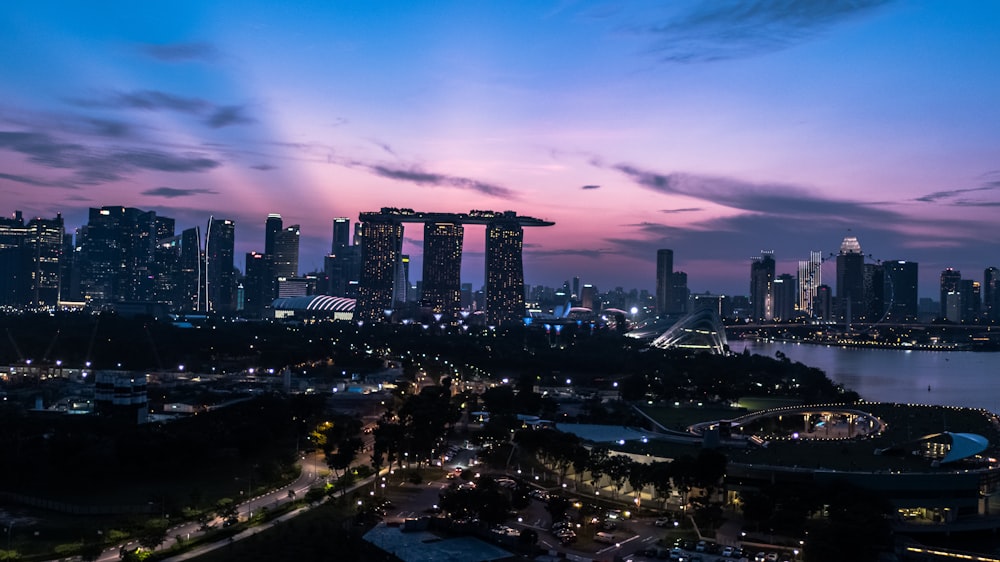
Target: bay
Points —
{"points": [[944, 378]]}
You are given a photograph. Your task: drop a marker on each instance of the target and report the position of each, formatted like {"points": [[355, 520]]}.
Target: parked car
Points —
{"points": [[663, 522]]}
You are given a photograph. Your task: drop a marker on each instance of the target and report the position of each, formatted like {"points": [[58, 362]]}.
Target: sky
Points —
{"points": [[716, 129]]}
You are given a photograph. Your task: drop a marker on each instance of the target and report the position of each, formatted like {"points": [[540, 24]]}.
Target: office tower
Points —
{"points": [[679, 293], [189, 286], [259, 284], [341, 235], [991, 294], [13, 273], [664, 281], [442, 267], [272, 226], [220, 275], [587, 296], [823, 303], [762, 287], [950, 279], [576, 288], [381, 245], [810, 277], [874, 292], [467, 303], [401, 287], [785, 297], [286, 252], [850, 280], [504, 270], [117, 254], [69, 284], [900, 291], [970, 299]]}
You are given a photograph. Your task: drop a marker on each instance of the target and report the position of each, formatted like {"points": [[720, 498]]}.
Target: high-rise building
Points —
{"points": [[286, 252], [381, 246], [43, 241], [900, 290], [950, 279], [272, 226], [117, 254], [810, 277], [850, 280], [13, 279], [588, 295], [823, 303], [442, 267], [504, 270], [679, 293], [971, 299], [874, 292], [762, 287], [220, 273], [991, 294], [190, 285], [664, 281], [341, 235], [785, 297], [259, 286]]}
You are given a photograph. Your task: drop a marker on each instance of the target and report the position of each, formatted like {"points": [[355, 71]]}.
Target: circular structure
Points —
{"points": [[816, 422]]}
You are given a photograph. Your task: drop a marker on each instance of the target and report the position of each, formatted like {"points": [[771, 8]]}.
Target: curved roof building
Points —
{"points": [[323, 306]]}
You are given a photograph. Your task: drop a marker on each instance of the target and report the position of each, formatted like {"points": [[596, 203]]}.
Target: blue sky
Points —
{"points": [[717, 129]]}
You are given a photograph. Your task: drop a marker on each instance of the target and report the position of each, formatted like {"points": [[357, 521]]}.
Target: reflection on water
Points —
{"points": [[946, 378]]}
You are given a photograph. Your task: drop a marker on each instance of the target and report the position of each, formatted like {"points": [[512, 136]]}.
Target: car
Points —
{"points": [[760, 557], [606, 538], [727, 551], [676, 553], [771, 557], [663, 522], [609, 525], [700, 547]]}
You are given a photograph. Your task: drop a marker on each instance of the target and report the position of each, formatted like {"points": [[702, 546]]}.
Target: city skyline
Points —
{"points": [[633, 127]]}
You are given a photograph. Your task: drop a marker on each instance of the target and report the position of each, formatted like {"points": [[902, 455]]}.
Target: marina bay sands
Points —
{"points": [[382, 262]]}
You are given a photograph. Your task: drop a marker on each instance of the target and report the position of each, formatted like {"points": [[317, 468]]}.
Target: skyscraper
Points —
{"points": [[850, 280], [286, 252], [258, 289], [272, 226], [810, 277], [991, 294], [950, 279], [679, 293], [381, 245], [43, 247], [442, 267], [341, 235], [785, 297], [900, 286], [220, 276], [117, 254], [762, 287], [664, 280], [504, 270]]}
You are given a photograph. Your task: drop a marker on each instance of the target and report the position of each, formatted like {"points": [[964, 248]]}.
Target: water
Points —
{"points": [[955, 378]]}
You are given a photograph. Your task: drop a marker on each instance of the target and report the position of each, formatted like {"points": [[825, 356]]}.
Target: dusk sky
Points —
{"points": [[716, 129]]}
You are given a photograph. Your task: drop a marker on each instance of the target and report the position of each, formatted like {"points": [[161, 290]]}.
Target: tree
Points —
{"points": [[153, 533]]}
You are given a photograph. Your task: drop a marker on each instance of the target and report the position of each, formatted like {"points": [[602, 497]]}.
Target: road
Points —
{"points": [[312, 467]]}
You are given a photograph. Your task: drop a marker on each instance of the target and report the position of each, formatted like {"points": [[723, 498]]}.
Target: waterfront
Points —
{"points": [[955, 378]]}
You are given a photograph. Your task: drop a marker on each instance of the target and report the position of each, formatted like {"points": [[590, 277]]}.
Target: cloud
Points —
{"points": [[591, 187], [264, 167], [228, 115], [420, 177], [215, 116], [25, 180], [723, 30], [938, 195], [108, 128], [96, 165], [768, 199], [172, 192], [687, 210], [579, 252], [385, 147], [180, 52]]}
